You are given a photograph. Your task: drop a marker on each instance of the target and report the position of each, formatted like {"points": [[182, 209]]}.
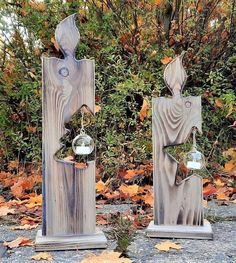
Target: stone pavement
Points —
{"points": [[141, 250]]}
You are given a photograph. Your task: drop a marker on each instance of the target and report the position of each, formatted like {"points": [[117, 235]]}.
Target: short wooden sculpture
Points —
{"points": [[178, 210], [69, 213]]}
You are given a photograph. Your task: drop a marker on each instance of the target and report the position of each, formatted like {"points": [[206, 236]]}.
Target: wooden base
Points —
{"points": [[180, 231], [46, 243]]}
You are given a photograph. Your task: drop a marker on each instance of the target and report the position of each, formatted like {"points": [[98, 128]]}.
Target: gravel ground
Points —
{"points": [[221, 249]]}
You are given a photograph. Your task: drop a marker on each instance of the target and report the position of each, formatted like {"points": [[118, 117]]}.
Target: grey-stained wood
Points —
{"points": [[68, 192], [173, 120]]}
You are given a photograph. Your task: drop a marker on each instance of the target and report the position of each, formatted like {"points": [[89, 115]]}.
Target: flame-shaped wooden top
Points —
{"points": [[67, 35], [175, 75]]}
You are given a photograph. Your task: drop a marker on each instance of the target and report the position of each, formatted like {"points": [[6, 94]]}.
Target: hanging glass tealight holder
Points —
{"points": [[194, 159], [82, 144]]}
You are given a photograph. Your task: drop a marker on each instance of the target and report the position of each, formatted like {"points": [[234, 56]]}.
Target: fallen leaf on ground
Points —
{"points": [[19, 242], [209, 190], [97, 108], [219, 103], [106, 257], [5, 210], [165, 246], [42, 255], [35, 201], [101, 186], [25, 227], [218, 182], [129, 190]]}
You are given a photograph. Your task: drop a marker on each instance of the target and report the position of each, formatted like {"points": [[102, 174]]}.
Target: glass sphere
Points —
{"points": [[83, 144], [194, 160]]}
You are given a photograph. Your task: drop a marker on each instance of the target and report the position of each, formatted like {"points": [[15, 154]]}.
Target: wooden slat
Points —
{"points": [[68, 192], [173, 121]]}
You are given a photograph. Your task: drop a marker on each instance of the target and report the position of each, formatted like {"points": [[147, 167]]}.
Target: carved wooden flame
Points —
{"points": [[175, 75]]}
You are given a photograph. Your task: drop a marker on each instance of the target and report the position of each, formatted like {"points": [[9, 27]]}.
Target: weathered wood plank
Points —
{"points": [[68, 192]]}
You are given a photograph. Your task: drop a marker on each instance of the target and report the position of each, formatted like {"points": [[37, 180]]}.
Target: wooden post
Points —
{"points": [[178, 210], [69, 212]]}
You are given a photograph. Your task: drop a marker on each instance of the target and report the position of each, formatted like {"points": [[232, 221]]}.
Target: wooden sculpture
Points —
{"points": [[69, 213], [178, 210]]}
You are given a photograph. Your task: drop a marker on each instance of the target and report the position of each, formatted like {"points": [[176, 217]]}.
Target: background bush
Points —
{"points": [[130, 42]]}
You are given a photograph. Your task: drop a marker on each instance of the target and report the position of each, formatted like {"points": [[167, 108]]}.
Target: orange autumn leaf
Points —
{"points": [[144, 110], [209, 190], [81, 165], [230, 166], [2, 199], [166, 60], [31, 129], [17, 190], [19, 242], [42, 256], [39, 6], [148, 199], [130, 174], [129, 190], [101, 186], [35, 201], [106, 257], [222, 196], [97, 108], [218, 103]]}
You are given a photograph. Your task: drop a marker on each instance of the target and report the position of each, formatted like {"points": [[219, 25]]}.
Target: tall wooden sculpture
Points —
{"points": [[69, 213], [178, 211]]}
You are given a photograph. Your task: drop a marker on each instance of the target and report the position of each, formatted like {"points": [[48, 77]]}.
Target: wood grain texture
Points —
{"points": [[68, 192], [173, 120], [180, 231], [95, 240]]}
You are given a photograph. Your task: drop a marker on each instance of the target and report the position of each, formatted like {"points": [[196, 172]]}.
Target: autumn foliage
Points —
{"points": [[131, 42]]}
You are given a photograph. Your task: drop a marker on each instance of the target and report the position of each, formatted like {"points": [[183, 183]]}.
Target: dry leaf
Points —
{"points": [[222, 196], [42, 255], [81, 165], [209, 190], [230, 166], [101, 186], [35, 201], [204, 203], [148, 199], [5, 210], [129, 190], [166, 60], [165, 246], [97, 108], [219, 103], [25, 227], [218, 182], [144, 110], [106, 257], [30, 128], [19, 242]]}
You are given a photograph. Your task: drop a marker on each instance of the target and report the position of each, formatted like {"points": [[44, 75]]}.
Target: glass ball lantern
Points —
{"points": [[194, 160], [83, 144]]}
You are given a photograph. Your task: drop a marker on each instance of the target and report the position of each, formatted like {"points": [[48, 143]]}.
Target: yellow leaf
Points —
{"points": [[106, 257], [101, 186], [42, 255], [129, 190], [218, 183], [166, 60], [34, 201], [165, 246], [144, 110]]}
